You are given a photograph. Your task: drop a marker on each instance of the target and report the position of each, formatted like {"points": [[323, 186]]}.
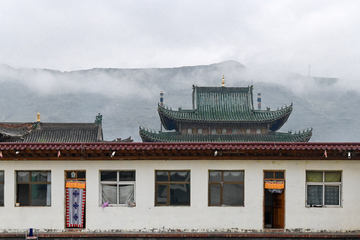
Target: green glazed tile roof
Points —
{"points": [[149, 136], [223, 105]]}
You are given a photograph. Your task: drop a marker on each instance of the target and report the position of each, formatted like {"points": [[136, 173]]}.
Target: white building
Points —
{"points": [[181, 187]]}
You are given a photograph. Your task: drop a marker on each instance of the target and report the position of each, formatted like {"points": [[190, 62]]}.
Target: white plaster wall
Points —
{"points": [[198, 216]]}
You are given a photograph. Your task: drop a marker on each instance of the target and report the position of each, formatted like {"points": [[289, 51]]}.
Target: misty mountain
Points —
{"points": [[128, 98]]}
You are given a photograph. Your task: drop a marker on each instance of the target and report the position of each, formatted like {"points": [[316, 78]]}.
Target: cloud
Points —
{"points": [[277, 35]]}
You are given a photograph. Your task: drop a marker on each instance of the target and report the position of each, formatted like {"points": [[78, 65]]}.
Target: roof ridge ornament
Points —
{"points": [[98, 119]]}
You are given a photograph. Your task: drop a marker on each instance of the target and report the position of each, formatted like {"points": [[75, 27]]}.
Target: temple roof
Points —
{"points": [[229, 105], [50, 132], [148, 136]]}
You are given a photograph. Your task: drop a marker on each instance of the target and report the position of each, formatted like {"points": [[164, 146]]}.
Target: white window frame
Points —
{"points": [[117, 183], [324, 184]]}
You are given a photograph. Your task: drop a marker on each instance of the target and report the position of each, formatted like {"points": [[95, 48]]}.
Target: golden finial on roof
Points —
{"points": [[223, 82], [38, 117]]}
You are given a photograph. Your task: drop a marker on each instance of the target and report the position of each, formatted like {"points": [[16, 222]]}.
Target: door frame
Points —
{"points": [[66, 177]]}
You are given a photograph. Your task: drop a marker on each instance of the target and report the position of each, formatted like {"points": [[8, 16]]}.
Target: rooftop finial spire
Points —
{"points": [[38, 116], [223, 82]]}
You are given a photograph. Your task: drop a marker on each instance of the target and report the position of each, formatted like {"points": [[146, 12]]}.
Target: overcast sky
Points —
{"points": [[280, 35]]}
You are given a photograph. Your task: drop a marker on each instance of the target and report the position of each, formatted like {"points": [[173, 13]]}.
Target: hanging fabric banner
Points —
{"points": [[274, 184], [275, 190], [75, 205]]}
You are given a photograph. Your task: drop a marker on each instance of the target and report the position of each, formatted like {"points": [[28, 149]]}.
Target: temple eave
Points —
{"points": [[270, 137]]}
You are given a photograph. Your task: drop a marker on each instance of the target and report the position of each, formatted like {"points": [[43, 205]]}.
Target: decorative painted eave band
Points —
{"points": [[179, 151]]}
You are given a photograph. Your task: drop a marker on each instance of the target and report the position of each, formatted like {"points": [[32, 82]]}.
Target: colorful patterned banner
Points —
{"points": [[274, 184], [75, 206]]}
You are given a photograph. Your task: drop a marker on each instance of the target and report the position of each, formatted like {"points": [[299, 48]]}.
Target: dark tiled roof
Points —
{"points": [[148, 136], [51, 132], [180, 151], [223, 105], [14, 131]]}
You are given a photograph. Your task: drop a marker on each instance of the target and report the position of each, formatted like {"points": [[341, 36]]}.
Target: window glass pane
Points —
{"points": [[23, 194], [180, 176], [68, 175], [332, 195], [81, 174], [269, 175], [39, 195], [215, 194], [215, 176], [312, 176], [39, 177], [126, 194], [108, 176], [233, 176], [179, 194], [1, 194], [279, 175], [332, 176], [233, 194], [314, 195], [127, 175], [161, 194], [23, 176], [1, 176], [162, 176], [109, 194]]}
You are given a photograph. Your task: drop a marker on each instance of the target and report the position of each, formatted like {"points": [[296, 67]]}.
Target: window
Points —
{"points": [[172, 188], [76, 175], [190, 131], [258, 131], [1, 188], [226, 188], [223, 131], [118, 187], [213, 131], [323, 188], [33, 188], [234, 131], [200, 131], [248, 131]]}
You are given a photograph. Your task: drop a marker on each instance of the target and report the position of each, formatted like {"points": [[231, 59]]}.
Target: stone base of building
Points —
{"points": [[271, 235]]}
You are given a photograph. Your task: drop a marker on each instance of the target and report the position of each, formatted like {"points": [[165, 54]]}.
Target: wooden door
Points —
{"points": [[278, 210]]}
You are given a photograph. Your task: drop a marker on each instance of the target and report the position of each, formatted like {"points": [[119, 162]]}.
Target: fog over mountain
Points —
{"points": [[128, 98]]}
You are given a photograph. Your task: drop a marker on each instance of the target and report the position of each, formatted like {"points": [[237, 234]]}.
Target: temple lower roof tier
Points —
{"points": [[149, 136]]}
